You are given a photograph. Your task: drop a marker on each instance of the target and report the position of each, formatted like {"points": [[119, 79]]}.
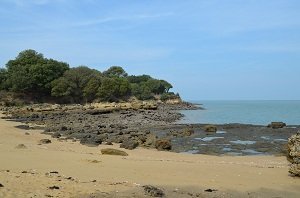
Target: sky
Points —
{"points": [[208, 49]]}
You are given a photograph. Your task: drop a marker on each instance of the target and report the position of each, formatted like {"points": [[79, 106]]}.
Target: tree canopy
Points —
{"points": [[31, 73]]}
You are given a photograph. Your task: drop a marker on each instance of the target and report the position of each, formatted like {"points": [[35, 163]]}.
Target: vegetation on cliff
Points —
{"points": [[32, 75]]}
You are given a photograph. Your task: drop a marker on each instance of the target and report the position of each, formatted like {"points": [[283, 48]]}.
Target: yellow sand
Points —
{"points": [[232, 176]]}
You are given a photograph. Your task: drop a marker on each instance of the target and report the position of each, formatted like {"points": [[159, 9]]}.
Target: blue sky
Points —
{"points": [[208, 49]]}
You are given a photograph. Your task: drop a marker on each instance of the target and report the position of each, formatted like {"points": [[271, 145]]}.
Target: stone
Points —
{"points": [[110, 151], [129, 144], [21, 146], [188, 132], [153, 191], [163, 144], [56, 135], [1, 185], [150, 140], [210, 128], [277, 125], [294, 154], [45, 141], [53, 188], [25, 127]]}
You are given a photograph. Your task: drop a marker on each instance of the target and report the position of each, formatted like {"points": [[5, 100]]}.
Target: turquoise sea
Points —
{"points": [[260, 112]]}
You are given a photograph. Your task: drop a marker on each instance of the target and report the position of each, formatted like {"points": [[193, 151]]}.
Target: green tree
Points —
{"points": [[30, 72], [115, 71], [113, 89], [73, 83], [3, 78]]}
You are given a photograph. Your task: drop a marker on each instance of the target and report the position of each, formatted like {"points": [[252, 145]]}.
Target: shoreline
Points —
{"points": [[179, 175], [142, 124]]}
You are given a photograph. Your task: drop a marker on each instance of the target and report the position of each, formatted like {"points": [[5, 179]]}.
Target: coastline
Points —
{"points": [[179, 175]]}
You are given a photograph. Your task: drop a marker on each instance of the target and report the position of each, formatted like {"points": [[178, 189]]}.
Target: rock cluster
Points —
{"points": [[277, 125], [294, 154]]}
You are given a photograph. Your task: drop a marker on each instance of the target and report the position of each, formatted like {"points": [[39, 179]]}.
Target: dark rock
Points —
{"points": [[45, 141], [25, 127], [210, 128], [27, 133], [91, 141], [153, 191], [1, 185], [108, 143], [53, 188], [277, 125], [163, 144], [56, 135], [129, 144], [110, 151], [210, 190]]}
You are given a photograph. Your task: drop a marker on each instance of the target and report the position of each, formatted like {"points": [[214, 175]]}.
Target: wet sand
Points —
{"points": [[84, 172]]}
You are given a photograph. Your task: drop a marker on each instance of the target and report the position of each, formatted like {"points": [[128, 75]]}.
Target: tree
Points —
{"points": [[32, 73], [138, 79], [115, 71], [91, 88], [73, 83], [112, 89], [3, 78]]}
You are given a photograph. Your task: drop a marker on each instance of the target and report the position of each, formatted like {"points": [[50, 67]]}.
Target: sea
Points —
{"points": [[258, 112]]}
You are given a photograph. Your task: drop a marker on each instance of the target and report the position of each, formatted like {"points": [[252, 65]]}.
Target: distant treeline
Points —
{"points": [[33, 75]]}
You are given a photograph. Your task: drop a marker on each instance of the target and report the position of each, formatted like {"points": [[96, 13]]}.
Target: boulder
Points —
{"points": [[294, 154], [188, 132], [163, 144], [110, 151], [45, 141], [210, 128], [150, 140], [56, 135], [277, 125], [153, 191], [129, 144]]}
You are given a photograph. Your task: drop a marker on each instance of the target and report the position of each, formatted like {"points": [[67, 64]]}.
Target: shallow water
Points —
{"points": [[245, 112]]}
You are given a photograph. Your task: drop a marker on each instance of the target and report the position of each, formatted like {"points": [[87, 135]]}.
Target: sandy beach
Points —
{"points": [[82, 171]]}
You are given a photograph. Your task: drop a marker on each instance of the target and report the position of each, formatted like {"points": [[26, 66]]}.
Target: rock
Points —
{"points": [[277, 125], [1, 185], [153, 191], [53, 188], [27, 133], [92, 141], [110, 151], [129, 144], [150, 140], [21, 146], [210, 128], [210, 190], [163, 144], [56, 135], [25, 127], [45, 141], [188, 132], [294, 154]]}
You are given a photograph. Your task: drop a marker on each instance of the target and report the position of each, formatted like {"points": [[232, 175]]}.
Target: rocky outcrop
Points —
{"points": [[210, 128], [294, 154], [110, 151], [277, 125], [152, 191], [129, 144], [45, 141], [163, 144]]}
